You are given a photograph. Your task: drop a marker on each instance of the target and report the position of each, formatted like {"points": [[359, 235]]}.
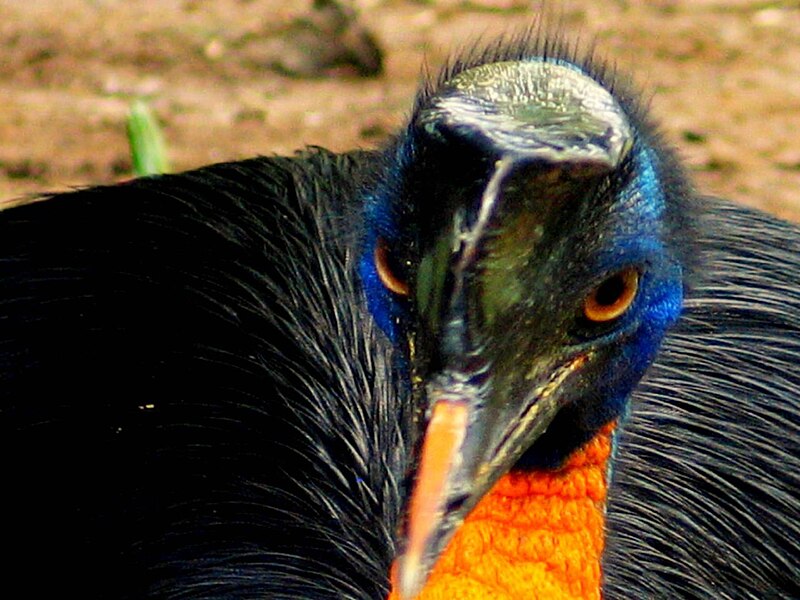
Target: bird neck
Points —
{"points": [[537, 534]]}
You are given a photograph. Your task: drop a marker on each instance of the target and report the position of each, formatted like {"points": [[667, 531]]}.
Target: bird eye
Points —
{"points": [[613, 297], [389, 270]]}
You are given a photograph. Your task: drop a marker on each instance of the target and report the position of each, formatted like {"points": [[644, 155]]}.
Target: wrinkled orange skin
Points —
{"points": [[535, 535]]}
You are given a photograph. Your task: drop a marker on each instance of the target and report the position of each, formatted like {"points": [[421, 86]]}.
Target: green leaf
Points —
{"points": [[146, 141]]}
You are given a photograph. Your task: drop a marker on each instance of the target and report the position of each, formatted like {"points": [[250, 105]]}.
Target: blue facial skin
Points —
{"points": [[386, 311], [660, 298], [637, 239], [638, 334], [381, 221]]}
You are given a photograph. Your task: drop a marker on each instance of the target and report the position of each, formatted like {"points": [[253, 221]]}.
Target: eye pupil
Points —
{"points": [[610, 290], [390, 271], [613, 297]]}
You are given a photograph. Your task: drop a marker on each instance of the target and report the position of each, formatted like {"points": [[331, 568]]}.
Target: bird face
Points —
{"points": [[526, 265]]}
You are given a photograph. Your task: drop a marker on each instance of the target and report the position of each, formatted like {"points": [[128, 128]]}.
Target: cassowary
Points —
{"points": [[278, 377]]}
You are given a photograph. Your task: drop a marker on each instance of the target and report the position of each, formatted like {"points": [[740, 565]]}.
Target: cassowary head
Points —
{"points": [[526, 247]]}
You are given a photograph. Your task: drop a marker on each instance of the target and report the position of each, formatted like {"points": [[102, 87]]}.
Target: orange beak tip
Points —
{"points": [[441, 448], [408, 578]]}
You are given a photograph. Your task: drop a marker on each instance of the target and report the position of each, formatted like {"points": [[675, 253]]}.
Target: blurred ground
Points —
{"points": [[724, 76]]}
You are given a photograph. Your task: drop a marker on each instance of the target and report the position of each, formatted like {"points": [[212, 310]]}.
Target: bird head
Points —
{"points": [[524, 247]]}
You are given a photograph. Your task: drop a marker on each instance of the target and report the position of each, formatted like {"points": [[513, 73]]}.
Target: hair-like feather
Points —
{"points": [[705, 499], [194, 402]]}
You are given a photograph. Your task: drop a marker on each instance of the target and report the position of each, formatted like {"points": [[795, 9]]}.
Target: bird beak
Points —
{"points": [[484, 408], [467, 446]]}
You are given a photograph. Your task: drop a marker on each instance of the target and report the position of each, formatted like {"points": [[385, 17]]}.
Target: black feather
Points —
{"points": [[194, 402], [705, 499]]}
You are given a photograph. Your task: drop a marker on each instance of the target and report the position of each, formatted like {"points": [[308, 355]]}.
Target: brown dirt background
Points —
{"points": [[724, 76]]}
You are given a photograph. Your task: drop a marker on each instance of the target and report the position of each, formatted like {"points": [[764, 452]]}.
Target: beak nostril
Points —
{"points": [[456, 503]]}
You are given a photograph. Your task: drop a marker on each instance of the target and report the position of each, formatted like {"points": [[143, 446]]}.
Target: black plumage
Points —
{"points": [[195, 401], [705, 498]]}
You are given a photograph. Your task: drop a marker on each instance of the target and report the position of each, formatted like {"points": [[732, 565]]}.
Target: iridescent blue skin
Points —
{"points": [[389, 310]]}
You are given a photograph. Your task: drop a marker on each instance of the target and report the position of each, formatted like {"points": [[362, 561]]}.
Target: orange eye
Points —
{"points": [[387, 270], [613, 297]]}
